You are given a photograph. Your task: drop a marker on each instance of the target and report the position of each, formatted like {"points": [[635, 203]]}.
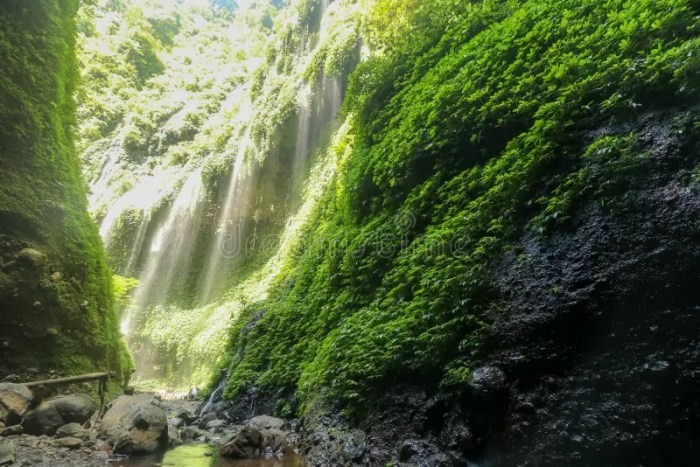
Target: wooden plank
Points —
{"points": [[69, 380]]}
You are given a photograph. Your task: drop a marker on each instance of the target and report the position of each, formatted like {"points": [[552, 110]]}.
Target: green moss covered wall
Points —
{"points": [[56, 300], [466, 135]]}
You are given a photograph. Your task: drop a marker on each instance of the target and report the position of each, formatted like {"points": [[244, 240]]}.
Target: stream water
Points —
{"points": [[202, 455]]}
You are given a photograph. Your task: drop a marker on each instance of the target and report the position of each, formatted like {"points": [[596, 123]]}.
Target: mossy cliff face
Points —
{"points": [[56, 302], [493, 179]]}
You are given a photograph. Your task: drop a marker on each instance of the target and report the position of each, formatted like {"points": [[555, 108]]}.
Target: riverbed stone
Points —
{"points": [[136, 425], [49, 416], [215, 425], [246, 443], [274, 440], [206, 419], [43, 420], [174, 439], [73, 430], [76, 408], [176, 422], [70, 443], [14, 402]]}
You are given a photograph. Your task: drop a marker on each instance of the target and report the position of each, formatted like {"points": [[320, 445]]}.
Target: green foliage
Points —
{"points": [[465, 135], [122, 286]]}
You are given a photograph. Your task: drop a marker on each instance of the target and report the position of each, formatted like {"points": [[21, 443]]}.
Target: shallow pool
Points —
{"points": [[202, 455]]}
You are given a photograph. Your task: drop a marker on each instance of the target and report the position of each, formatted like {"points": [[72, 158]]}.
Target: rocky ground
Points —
{"points": [[69, 430]]}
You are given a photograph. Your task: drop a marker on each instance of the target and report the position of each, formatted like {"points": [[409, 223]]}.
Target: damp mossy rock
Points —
{"points": [[56, 301]]}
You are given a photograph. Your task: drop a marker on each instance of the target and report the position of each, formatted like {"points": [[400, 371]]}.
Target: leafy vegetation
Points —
{"points": [[465, 136]]}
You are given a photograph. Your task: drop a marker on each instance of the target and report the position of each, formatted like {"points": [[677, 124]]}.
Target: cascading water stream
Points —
{"points": [[186, 251], [170, 247], [227, 240]]}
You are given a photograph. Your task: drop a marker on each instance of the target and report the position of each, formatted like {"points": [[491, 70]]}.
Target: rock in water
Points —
{"points": [[8, 454], [75, 408], [14, 402], [246, 443], [73, 430], [136, 425]]}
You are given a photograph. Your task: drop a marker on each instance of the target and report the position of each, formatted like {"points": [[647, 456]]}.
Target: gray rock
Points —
{"points": [[487, 383], [274, 440], [266, 422], [8, 454], [76, 408], [73, 430], [354, 450], [176, 422], [11, 430], [191, 432], [51, 415], [246, 443], [14, 402], [43, 420], [136, 425], [70, 443], [186, 416], [215, 424], [206, 419], [174, 439]]}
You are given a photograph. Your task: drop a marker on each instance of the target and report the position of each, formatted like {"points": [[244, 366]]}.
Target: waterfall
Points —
{"points": [[170, 248], [227, 242], [184, 240]]}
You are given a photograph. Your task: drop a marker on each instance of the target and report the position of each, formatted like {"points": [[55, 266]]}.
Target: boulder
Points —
{"points": [[8, 454], [70, 443], [14, 402], [76, 408], [49, 416], [136, 425], [246, 443], [73, 430], [43, 420], [266, 422]]}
